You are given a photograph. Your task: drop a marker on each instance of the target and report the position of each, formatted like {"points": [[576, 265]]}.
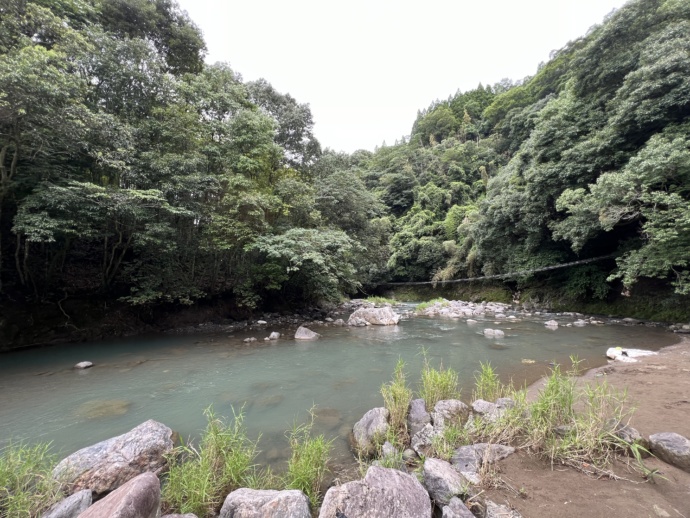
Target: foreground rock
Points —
{"points": [[417, 417], [383, 493], [138, 498], [303, 333], [450, 411], [442, 481], [254, 503], [70, 507], [369, 430], [374, 316], [671, 448], [456, 508], [107, 465]]}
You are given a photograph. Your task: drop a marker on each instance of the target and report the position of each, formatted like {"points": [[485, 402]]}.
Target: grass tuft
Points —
{"points": [[223, 462], [424, 305], [307, 464], [438, 384], [396, 397], [488, 386], [27, 486]]}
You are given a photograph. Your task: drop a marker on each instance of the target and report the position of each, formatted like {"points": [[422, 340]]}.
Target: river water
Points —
{"points": [[173, 379]]}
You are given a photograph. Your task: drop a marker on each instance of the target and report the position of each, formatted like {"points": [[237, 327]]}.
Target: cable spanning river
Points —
{"points": [[173, 379]]}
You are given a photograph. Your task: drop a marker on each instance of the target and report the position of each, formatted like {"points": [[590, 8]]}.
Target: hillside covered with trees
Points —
{"points": [[132, 171]]}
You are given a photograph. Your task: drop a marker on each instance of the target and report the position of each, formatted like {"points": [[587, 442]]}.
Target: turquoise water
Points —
{"points": [[173, 379]]}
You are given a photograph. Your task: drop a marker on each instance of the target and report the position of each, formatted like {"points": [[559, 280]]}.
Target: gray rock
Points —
{"points": [[261, 322], [72, 506], [485, 409], [83, 365], [551, 323], [456, 508], [466, 459], [494, 333], [504, 403], [388, 450], [267, 503], [138, 498], [375, 316], [303, 333], [442, 481], [274, 335], [421, 441], [417, 417], [339, 322], [188, 515], [409, 455], [449, 411], [490, 453], [494, 510], [671, 448], [107, 465], [370, 429], [383, 493]]}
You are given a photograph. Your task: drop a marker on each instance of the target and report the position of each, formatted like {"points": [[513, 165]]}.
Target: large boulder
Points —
{"points": [[384, 492], [303, 333], [70, 507], [138, 498], [672, 448], [451, 411], [417, 417], [375, 316], [107, 465], [268, 503], [442, 481], [370, 430]]}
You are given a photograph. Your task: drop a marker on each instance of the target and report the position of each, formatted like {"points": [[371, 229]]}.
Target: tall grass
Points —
{"points": [[27, 487], [437, 384], [424, 305], [224, 461], [488, 386], [396, 398], [308, 463]]}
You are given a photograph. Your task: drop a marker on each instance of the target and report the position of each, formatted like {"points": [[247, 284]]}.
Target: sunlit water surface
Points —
{"points": [[173, 379]]}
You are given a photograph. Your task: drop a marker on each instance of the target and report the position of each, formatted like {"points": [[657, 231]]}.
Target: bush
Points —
{"points": [[27, 486]]}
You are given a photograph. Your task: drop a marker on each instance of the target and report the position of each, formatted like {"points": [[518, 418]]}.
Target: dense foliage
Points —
{"points": [[130, 168]]}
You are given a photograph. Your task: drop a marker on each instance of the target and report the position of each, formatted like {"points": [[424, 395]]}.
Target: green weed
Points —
{"points": [[438, 384], [396, 397], [488, 386], [224, 461], [27, 487], [424, 305], [307, 464]]}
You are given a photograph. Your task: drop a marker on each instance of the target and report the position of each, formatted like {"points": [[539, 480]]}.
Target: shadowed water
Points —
{"points": [[173, 379]]}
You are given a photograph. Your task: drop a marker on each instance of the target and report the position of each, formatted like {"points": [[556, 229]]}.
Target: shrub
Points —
{"points": [[488, 386], [424, 305]]}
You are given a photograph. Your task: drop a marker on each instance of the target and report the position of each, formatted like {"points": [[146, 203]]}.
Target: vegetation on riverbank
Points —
{"points": [[185, 183]]}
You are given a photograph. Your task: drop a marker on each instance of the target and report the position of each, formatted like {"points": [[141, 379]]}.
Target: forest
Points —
{"points": [[132, 171]]}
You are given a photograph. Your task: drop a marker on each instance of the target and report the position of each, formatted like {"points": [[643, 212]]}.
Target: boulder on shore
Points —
{"points": [[442, 481], [266, 503], [138, 498], [107, 465], [70, 507], [375, 316], [417, 416], [382, 493], [671, 448], [371, 428], [303, 333]]}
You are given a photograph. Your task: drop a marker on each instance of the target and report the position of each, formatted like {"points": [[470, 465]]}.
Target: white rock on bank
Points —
{"points": [[627, 355], [303, 333]]}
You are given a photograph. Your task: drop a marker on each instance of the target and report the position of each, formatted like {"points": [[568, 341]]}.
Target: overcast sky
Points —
{"points": [[366, 66]]}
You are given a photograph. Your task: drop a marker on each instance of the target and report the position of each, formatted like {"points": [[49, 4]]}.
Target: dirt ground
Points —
{"points": [[659, 388]]}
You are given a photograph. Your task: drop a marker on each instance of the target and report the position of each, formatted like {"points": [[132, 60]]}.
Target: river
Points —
{"points": [[173, 379]]}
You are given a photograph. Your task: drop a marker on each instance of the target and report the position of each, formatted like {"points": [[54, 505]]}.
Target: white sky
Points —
{"points": [[366, 66]]}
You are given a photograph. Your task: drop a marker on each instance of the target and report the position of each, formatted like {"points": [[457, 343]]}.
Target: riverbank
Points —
{"points": [[658, 387]]}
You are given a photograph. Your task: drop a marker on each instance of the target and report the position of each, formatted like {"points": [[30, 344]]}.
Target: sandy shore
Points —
{"points": [[658, 387]]}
